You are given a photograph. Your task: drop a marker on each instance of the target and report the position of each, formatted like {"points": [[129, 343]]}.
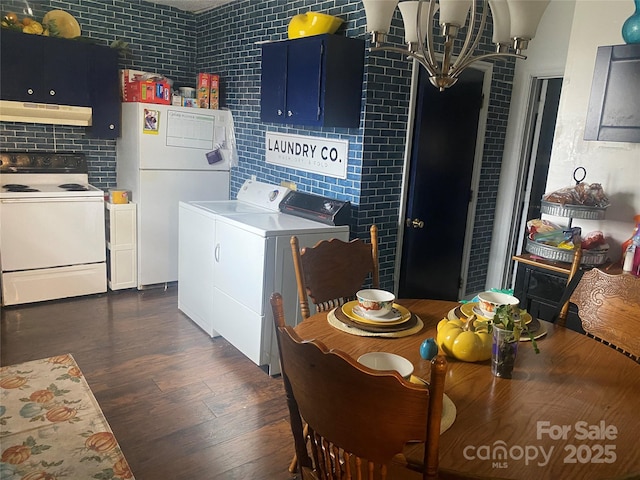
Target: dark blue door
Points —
{"points": [[442, 158]]}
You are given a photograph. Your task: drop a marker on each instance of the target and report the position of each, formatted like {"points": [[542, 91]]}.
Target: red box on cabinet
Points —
{"points": [[148, 92]]}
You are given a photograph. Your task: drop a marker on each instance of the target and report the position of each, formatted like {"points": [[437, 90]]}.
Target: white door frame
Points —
{"points": [[527, 162]]}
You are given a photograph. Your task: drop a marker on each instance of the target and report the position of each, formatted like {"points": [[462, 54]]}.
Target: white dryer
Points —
{"points": [[230, 264]]}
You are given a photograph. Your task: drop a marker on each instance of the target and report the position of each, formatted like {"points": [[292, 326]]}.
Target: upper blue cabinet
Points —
{"points": [[314, 81], [58, 71]]}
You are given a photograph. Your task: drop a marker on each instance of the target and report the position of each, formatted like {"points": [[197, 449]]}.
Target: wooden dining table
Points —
{"points": [[570, 412]]}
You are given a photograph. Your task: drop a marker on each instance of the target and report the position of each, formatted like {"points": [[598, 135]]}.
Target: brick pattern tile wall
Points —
{"points": [[225, 41], [377, 148]]}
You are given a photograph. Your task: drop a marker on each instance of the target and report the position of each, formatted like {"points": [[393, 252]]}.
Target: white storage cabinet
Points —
{"points": [[121, 245]]}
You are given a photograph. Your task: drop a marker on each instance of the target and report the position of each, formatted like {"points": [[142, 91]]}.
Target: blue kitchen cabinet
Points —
{"points": [[104, 93], [315, 81], [42, 69], [60, 71]]}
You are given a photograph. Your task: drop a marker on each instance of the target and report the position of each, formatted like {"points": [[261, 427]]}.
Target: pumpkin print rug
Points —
{"points": [[51, 426]]}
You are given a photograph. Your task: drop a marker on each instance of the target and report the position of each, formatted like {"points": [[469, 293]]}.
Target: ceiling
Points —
{"points": [[195, 6]]}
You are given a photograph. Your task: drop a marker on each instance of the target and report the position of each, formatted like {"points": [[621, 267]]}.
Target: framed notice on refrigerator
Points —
{"points": [[326, 156]]}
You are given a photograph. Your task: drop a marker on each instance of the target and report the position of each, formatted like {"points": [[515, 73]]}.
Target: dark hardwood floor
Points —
{"points": [[182, 405]]}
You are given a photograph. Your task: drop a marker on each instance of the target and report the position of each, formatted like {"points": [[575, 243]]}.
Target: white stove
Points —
{"points": [[52, 242], [41, 185]]}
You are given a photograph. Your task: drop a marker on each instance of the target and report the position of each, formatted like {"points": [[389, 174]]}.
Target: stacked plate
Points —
{"points": [[398, 319], [469, 309]]}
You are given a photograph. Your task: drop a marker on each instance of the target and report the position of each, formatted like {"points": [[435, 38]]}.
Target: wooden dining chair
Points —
{"points": [[608, 307], [572, 280], [358, 419], [331, 272]]}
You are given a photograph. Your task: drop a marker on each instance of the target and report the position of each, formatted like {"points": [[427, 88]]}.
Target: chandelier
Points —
{"points": [[514, 25]]}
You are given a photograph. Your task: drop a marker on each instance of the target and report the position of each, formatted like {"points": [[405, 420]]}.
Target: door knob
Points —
{"points": [[415, 223]]}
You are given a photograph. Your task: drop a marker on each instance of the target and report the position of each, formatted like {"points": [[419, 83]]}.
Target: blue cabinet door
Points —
{"points": [[273, 82], [305, 82], [105, 93]]}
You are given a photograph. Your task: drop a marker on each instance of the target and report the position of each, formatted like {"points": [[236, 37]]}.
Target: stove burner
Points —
{"points": [[15, 187], [73, 187]]}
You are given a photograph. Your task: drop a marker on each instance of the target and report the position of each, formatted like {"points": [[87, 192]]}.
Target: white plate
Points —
{"points": [[387, 361], [392, 316]]}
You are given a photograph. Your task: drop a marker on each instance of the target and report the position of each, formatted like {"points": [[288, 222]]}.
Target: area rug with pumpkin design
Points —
{"points": [[51, 426]]}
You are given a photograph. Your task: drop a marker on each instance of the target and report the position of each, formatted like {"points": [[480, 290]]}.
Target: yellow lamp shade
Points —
{"points": [[312, 23]]}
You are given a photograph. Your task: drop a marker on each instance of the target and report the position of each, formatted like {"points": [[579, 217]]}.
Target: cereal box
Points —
{"points": [[214, 91], [202, 90]]}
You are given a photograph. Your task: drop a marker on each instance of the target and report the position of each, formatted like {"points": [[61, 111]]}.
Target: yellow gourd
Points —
{"points": [[461, 340]]}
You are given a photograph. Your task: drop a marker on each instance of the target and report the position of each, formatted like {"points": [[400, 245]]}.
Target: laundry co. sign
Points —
{"points": [[326, 156]]}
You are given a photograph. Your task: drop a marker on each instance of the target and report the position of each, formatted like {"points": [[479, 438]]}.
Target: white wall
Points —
{"points": [[615, 165], [546, 57], [570, 52]]}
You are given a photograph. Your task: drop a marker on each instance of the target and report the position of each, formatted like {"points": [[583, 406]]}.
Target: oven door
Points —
{"points": [[52, 232]]}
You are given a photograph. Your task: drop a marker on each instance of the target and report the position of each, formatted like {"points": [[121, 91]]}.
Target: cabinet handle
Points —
{"points": [[52, 92], [279, 112], [289, 113], [112, 126], [216, 253], [30, 91]]}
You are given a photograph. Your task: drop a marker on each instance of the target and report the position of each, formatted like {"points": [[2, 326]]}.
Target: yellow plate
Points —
{"points": [[467, 311], [67, 25], [347, 308]]}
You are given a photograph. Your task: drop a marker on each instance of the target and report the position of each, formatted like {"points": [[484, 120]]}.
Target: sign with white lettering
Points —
{"points": [[326, 156]]}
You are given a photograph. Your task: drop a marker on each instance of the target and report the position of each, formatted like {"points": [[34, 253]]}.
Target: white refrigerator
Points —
{"points": [[168, 154]]}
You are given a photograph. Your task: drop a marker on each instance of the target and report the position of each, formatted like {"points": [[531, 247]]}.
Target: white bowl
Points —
{"points": [[387, 361], [375, 302], [488, 302]]}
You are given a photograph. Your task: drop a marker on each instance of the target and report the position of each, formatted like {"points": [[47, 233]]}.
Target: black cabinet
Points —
{"points": [[540, 291], [104, 94], [44, 70], [315, 81], [60, 71], [614, 105]]}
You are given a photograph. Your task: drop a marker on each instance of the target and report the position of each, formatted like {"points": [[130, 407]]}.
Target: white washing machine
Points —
{"points": [[231, 262]]}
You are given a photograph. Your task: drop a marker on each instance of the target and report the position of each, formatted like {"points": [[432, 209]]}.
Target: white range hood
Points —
{"points": [[29, 112]]}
